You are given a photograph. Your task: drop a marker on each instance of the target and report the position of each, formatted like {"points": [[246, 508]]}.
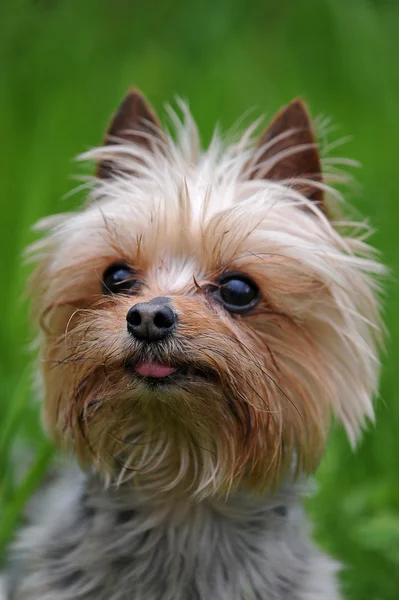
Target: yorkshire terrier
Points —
{"points": [[202, 319]]}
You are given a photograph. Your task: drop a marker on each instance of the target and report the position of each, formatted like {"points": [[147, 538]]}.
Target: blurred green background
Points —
{"points": [[64, 66]]}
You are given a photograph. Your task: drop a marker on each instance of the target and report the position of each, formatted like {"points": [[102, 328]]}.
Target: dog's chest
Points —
{"points": [[106, 548]]}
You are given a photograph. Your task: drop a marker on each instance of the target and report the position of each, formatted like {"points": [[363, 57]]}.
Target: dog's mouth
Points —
{"points": [[154, 370], [156, 373]]}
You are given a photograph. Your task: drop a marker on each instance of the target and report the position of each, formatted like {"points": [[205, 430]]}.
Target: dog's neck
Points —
{"points": [[117, 544]]}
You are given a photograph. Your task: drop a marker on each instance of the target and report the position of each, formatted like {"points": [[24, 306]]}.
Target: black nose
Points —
{"points": [[151, 321]]}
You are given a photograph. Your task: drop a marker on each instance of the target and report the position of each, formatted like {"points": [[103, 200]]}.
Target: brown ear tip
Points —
{"points": [[132, 99], [300, 107], [129, 100], [134, 92], [133, 96], [299, 101]]}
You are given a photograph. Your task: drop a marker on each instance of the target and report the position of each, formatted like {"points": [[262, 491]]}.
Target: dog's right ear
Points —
{"points": [[288, 151], [134, 122]]}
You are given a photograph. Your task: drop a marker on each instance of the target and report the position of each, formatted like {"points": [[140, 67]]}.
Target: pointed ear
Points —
{"points": [[288, 150], [134, 122]]}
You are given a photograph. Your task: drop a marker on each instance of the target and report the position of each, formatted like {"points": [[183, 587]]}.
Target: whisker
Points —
{"points": [[274, 382]]}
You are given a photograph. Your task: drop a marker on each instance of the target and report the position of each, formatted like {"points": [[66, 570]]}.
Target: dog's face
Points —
{"points": [[201, 317]]}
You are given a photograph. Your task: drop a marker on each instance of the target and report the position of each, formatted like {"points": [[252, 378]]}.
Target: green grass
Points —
{"points": [[65, 66]]}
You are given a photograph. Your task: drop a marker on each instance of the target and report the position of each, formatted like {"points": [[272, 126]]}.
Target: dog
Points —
{"points": [[202, 319]]}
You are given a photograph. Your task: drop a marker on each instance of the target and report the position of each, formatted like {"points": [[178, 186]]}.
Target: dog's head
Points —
{"points": [[202, 317]]}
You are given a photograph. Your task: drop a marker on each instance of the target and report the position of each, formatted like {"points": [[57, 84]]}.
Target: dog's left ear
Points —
{"points": [[288, 151], [134, 122]]}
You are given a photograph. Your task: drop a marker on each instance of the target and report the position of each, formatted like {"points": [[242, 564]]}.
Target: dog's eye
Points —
{"points": [[119, 278], [238, 292]]}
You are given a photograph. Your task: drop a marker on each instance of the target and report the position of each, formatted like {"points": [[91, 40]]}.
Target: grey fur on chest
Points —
{"points": [[94, 544]]}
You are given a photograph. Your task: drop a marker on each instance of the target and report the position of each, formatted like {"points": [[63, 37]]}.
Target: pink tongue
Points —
{"points": [[148, 369]]}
